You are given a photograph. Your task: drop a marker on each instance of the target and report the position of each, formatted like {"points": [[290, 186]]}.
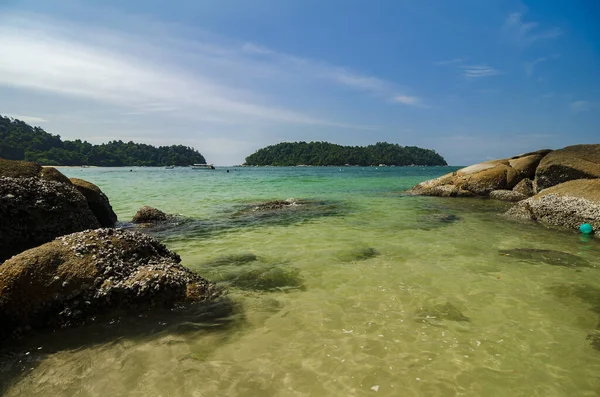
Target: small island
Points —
{"points": [[329, 154], [21, 141]]}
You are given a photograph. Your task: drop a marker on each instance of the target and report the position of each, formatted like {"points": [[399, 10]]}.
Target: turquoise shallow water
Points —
{"points": [[401, 296]]}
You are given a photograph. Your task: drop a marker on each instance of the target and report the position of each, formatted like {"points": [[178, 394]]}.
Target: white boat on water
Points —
{"points": [[169, 167], [202, 167]]}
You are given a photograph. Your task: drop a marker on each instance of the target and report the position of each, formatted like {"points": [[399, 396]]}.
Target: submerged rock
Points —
{"points": [[569, 163], [284, 212], [97, 201], [83, 274], [232, 260], [265, 278], [587, 293], [429, 221], [568, 204], [358, 254], [550, 257], [277, 205], [148, 214], [594, 339], [446, 311]]}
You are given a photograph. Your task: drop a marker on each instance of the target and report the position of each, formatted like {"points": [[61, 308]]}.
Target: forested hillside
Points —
{"points": [[20, 141], [324, 153]]}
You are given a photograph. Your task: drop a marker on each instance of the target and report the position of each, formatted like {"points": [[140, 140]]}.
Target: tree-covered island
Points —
{"points": [[21, 141], [324, 153]]}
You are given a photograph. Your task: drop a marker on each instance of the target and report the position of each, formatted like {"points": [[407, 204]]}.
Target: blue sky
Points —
{"points": [[472, 79]]}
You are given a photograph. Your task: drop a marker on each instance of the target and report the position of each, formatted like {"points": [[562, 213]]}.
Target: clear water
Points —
{"points": [[432, 308]]}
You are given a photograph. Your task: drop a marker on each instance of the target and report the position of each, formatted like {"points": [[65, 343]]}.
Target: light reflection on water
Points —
{"points": [[403, 296]]}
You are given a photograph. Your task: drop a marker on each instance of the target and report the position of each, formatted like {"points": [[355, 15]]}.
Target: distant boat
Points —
{"points": [[169, 167], [202, 167]]}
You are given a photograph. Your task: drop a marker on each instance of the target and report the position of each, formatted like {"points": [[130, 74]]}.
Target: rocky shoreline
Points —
{"points": [[553, 187], [65, 264]]}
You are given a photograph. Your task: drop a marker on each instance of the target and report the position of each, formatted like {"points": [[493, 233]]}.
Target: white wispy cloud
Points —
{"points": [[218, 81], [471, 72], [479, 71], [315, 69], [527, 33], [256, 49], [409, 100], [69, 68], [581, 106], [530, 66]]}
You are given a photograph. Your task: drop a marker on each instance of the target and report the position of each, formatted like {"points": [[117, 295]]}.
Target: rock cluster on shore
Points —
{"points": [[559, 188], [65, 268], [38, 204]]}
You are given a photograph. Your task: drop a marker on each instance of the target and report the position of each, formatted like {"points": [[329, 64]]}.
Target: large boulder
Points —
{"points": [[147, 214], [97, 201], [568, 204], [481, 179], [34, 210], [569, 163], [92, 272]]}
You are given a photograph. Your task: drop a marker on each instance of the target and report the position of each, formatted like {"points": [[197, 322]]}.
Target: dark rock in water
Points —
{"points": [[359, 254], [277, 205], [585, 292], [446, 311], [435, 220], [175, 227], [80, 275], [588, 294], [284, 212], [233, 260], [97, 201], [550, 257], [148, 214], [268, 278], [594, 339], [443, 218], [34, 210]]}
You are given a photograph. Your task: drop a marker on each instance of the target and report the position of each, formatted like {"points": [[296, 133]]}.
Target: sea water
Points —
{"points": [[391, 295]]}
